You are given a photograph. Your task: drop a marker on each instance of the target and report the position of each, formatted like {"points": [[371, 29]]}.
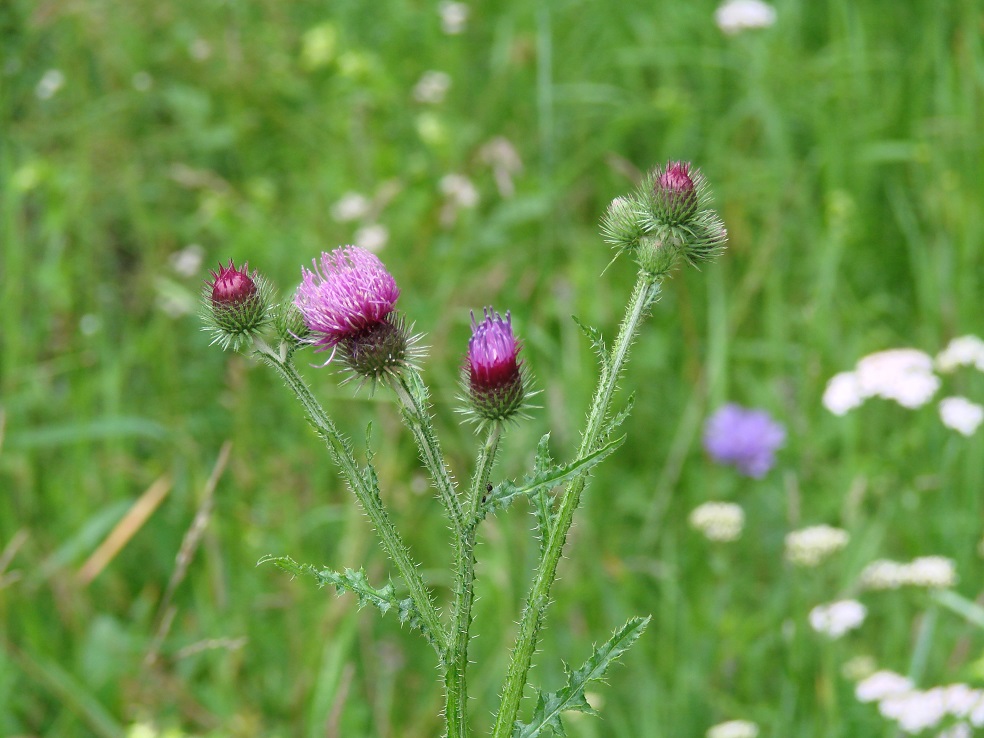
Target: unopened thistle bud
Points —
{"points": [[235, 305], [495, 380], [347, 303], [668, 216]]}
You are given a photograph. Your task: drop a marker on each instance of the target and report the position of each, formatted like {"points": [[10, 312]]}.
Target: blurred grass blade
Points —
{"points": [[124, 530], [69, 433], [68, 691], [967, 609]]}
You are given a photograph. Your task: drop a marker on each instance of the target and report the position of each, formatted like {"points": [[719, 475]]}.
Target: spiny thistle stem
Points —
{"points": [[643, 296], [412, 393], [368, 496], [456, 711]]}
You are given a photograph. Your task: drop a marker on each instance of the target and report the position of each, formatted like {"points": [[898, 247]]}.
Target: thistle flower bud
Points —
{"points": [[347, 303], [235, 305], [675, 192], [495, 379]]}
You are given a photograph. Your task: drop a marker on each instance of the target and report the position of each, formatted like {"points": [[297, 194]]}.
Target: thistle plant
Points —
{"points": [[346, 305]]}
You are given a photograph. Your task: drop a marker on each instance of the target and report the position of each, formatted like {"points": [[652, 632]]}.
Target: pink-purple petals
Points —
{"points": [[347, 293], [493, 373]]}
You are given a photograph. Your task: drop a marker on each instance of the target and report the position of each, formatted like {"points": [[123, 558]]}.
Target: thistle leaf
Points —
{"points": [[611, 424], [597, 340], [550, 705], [383, 599], [505, 493], [542, 502]]}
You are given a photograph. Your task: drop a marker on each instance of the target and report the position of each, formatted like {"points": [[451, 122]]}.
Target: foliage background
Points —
{"points": [[844, 148]]}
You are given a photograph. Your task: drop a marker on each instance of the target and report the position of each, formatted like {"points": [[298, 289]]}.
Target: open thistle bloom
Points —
{"points": [[668, 216], [235, 305], [347, 302], [494, 377], [746, 439]]}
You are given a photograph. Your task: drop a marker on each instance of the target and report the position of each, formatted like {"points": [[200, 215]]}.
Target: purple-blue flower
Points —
{"points": [[345, 295], [744, 438]]}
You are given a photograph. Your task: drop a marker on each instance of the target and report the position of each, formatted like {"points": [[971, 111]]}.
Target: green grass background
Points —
{"points": [[844, 147]]}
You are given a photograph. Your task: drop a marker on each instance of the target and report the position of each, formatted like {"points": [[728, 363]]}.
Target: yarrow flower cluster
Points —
{"points": [[734, 729], [837, 618], [962, 351], [931, 572], [744, 438], [916, 710], [736, 16], [961, 415], [347, 302], [669, 216], [718, 521], [494, 378], [811, 546]]}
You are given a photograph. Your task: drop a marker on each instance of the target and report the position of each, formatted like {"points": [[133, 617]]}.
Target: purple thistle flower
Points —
{"points": [[231, 287], [235, 305], [744, 438], [347, 296], [494, 375]]}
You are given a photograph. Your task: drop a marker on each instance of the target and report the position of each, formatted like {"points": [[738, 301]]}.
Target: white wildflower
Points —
{"points": [[432, 87], [916, 710], [501, 155], [90, 324], [960, 730], [733, 729], [736, 16], [351, 206], [837, 618], [962, 351], [880, 685], [843, 393], [961, 414], [903, 375], [935, 572], [188, 261], [961, 700], [372, 237], [718, 521], [810, 546], [454, 17], [50, 82], [459, 190]]}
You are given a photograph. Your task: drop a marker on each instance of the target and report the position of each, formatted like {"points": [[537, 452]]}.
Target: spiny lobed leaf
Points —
{"points": [[383, 599], [611, 424], [506, 492], [593, 335], [542, 502], [550, 705]]}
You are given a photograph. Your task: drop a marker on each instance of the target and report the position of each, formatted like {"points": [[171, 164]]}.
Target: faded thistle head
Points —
{"points": [[668, 216], [347, 303], [495, 380], [235, 305]]}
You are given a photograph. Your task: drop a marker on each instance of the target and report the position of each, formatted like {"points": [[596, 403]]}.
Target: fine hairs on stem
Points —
{"points": [[346, 305]]}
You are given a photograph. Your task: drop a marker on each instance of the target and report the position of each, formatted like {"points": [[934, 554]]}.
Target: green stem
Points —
{"points": [[364, 487], [643, 296], [413, 396], [456, 706]]}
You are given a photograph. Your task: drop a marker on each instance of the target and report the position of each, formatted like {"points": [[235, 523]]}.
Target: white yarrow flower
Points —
{"points": [[188, 261], [718, 521], [736, 16], [734, 729], [50, 82], [915, 711], [810, 546], [904, 375], [454, 17], [843, 393], [351, 206], [432, 87], [372, 238], [837, 618], [962, 351], [960, 730], [961, 414], [880, 685], [931, 572]]}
